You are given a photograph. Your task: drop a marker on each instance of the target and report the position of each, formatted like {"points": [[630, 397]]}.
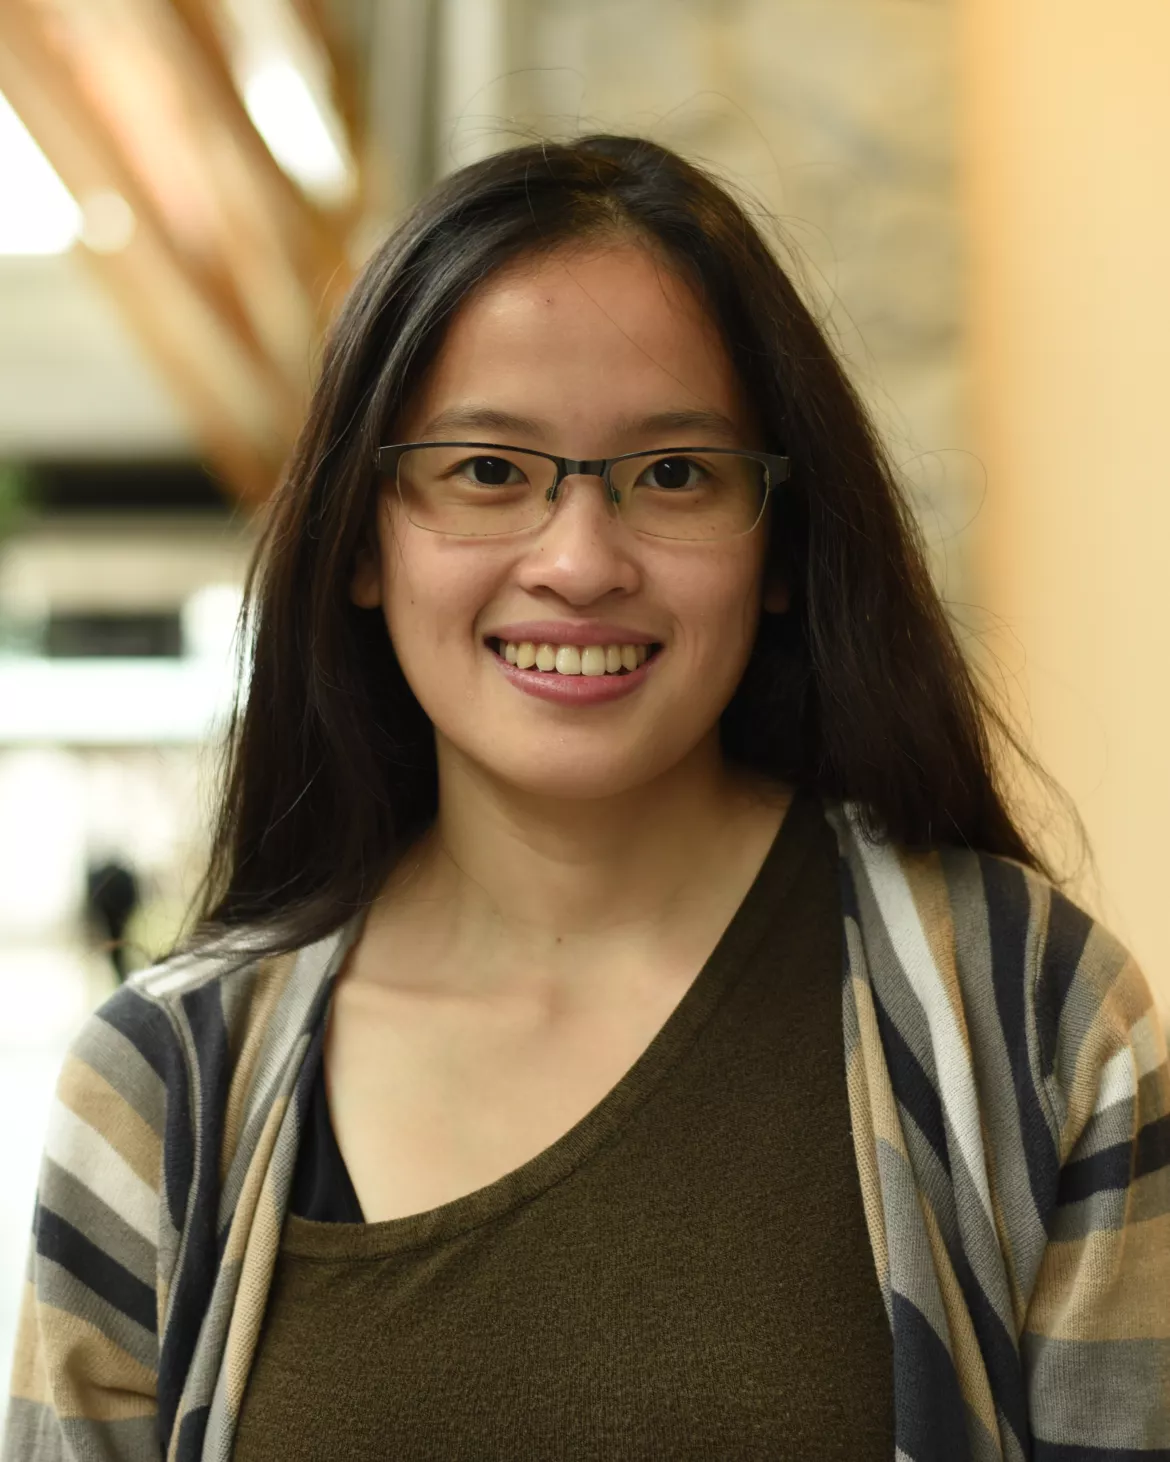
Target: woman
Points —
{"points": [[626, 1019]]}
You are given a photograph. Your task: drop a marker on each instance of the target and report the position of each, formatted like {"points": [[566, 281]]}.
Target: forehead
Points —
{"points": [[581, 339]]}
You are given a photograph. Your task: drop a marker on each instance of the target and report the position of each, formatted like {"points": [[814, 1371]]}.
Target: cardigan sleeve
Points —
{"points": [[84, 1380], [1096, 1336]]}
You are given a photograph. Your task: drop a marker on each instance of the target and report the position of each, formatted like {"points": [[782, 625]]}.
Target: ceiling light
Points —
{"points": [[37, 212], [107, 222], [287, 116]]}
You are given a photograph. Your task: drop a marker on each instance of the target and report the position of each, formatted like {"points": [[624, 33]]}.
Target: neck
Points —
{"points": [[523, 891]]}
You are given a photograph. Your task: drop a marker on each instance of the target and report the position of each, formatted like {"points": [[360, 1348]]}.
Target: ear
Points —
{"points": [[365, 585], [776, 597]]}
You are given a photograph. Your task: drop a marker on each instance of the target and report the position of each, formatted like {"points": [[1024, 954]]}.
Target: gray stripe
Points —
{"points": [[1004, 1148], [986, 1448], [1106, 1129], [1103, 1393], [118, 1061], [1012, 1450], [58, 1288], [910, 1277], [133, 1440], [1080, 1013], [1099, 1212], [200, 1382], [887, 978], [195, 1089], [166, 983], [32, 1434], [61, 1192]]}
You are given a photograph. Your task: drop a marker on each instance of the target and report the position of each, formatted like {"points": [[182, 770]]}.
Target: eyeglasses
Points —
{"points": [[483, 489]]}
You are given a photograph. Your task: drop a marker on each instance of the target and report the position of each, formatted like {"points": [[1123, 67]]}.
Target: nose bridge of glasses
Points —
{"points": [[579, 467]]}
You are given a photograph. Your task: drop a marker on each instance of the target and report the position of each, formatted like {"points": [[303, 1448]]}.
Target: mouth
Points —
{"points": [[610, 662]]}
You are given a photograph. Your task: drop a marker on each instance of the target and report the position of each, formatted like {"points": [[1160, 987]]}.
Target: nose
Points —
{"points": [[595, 496], [581, 551]]}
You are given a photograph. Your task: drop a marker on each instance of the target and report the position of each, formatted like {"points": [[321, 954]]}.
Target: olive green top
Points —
{"points": [[685, 1274]]}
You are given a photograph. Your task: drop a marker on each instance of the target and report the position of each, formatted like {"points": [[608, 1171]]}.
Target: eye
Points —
{"points": [[491, 471], [672, 473]]}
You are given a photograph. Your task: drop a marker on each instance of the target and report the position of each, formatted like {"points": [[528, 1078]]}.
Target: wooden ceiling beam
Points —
{"points": [[312, 237], [228, 281], [168, 298], [346, 87]]}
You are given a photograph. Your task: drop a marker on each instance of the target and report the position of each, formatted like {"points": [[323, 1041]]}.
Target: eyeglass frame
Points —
{"points": [[777, 468]]}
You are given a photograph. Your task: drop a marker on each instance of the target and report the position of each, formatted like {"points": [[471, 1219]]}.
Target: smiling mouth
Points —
{"points": [[589, 660]]}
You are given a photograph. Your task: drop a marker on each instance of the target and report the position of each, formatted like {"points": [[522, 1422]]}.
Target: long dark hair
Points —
{"points": [[859, 691]]}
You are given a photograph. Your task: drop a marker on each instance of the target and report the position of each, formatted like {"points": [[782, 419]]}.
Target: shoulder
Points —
{"points": [[188, 1035], [1036, 988], [172, 1016]]}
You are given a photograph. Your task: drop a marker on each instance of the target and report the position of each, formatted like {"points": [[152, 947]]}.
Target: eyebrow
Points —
{"points": [[487, 418]]}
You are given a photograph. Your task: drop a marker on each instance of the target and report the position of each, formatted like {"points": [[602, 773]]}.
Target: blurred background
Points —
{"points": [[973, 195]]}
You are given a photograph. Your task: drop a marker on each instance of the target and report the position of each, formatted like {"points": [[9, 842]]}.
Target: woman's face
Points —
{"points": [[585, 346]]}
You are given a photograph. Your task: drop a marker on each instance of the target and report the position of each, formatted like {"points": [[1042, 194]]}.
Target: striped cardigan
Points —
{"points": [[1010, 1103]]}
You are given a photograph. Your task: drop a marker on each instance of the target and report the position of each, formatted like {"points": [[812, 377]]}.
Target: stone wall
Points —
{"points": [[835, 116]]}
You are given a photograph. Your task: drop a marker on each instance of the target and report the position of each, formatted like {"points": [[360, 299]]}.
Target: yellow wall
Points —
{"points": [[1066, 140]]}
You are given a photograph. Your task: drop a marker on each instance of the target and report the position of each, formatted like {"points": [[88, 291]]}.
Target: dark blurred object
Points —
{"points": [[111, 897], [128, 487], [15, 498], [69, 635]]}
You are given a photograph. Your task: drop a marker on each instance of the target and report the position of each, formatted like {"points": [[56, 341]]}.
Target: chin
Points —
{"points": [[567, 773]]}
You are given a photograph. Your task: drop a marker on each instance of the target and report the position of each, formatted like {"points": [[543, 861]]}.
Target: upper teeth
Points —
{"points": [[574, 659]]}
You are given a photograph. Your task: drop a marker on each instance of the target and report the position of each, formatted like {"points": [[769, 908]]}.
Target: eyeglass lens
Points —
{"points": [[486, 491]]}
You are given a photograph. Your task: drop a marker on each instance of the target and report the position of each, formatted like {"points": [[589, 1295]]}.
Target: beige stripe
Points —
{"points": [[1109, 1285], [1149, 1042], [263, 1242], [928, 888], [865, 1151], [250, 1193], [162, 1291], [30, 1381], [91, 1097], [883, 1107], [270, 982], [89, 1375]]}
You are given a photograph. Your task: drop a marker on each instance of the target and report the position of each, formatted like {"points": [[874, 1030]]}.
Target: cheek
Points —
{"points": [[722, 603], [432, 592]]}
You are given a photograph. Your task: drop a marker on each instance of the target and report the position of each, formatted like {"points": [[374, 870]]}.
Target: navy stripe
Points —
{"points": [[150, 1032], [59, 1241], [1109, 1168], [1008, 914], [1152, 1148], [911, 1085], [1119, 1165], [1068, 933], [178, 1142], [143, 1024], [928, 1406], [1060, 1452], [195, 1278], [191, 1434], [1001, 1358]]}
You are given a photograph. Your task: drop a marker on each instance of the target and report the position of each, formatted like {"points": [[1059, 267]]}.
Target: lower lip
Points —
{"points": [[575, 690]]}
